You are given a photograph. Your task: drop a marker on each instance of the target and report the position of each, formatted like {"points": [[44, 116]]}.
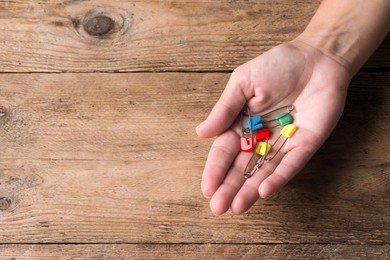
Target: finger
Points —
{"points": [[226, 109], [289, 166], [223, 197], [222, 153], [249, 192]]}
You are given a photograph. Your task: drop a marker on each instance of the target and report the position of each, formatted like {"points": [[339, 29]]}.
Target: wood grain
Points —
{"points": [[103, 35], [102, 158], [210, 251], [102, 165]]}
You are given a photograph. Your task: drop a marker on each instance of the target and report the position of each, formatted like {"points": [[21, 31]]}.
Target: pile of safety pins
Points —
{"points": [[256, 135]]}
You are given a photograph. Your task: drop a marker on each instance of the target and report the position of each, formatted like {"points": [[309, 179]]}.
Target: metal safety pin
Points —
{"points": [[256, 122], [247, 140], [261, 151], [286, 132], [289, 108]]}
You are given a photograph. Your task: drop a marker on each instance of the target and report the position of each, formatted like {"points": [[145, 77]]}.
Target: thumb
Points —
{"points": [[225, 110]]}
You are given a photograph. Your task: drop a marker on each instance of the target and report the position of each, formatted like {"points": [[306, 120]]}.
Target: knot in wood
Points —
{"points": [[5, 203], [99, 25]]}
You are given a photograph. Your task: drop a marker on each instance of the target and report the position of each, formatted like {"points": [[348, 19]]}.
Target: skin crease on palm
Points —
{"points": [[292, 73]]}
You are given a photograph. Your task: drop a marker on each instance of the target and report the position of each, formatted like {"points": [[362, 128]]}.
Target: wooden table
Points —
{"points": [[99, 157]]}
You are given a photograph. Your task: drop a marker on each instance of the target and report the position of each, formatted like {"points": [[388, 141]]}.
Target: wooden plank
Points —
{"points": [[202, 251], [103, 35], [52, 36], [113, 158], [380, 58]]}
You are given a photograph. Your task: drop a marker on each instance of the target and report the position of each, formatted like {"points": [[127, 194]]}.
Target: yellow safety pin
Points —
{"points": [[262, 150], [287, 132]]}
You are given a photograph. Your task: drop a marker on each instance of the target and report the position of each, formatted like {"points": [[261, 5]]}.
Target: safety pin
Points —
{"points": [[281, 120], [256, 122], [247, 140], [262, 149], [287, 132]]}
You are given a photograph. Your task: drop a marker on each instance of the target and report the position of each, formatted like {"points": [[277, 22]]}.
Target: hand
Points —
{"points": [[292, 73]]}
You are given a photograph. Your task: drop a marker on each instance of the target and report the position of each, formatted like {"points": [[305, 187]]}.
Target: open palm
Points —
{"points": [[292, 73]]}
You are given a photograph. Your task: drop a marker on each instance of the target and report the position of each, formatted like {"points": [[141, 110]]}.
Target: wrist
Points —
{"points": [[348, 31], [334, 47]]}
